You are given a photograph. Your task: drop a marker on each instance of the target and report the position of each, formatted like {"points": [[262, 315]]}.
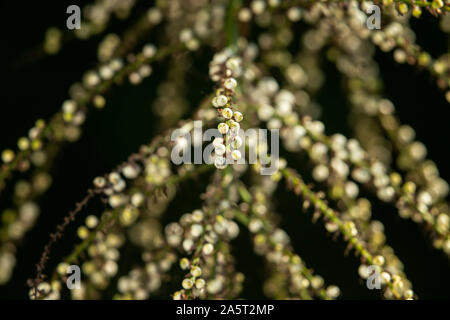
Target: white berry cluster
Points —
{"points": [[141, 282], [333, 157], [201, 235], [224, 68], [274, 244], [279, 88]]}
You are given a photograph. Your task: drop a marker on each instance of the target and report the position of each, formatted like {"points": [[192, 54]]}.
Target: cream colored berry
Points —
{"points": [[227, 113], [196, 271], [238, 116], [230, 84], [187, 284], [207, 249], [221, 100], [223, 128], [236, 155], [8, 156]]}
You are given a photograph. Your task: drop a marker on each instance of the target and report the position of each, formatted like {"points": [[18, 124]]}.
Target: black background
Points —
{"points": [[35, 89]]}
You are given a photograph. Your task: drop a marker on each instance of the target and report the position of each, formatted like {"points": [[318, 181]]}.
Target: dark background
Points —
{"points": [[35, 89]]}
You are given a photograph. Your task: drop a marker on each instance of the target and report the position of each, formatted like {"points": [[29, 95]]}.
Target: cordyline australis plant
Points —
{"points": [[261, 81]]}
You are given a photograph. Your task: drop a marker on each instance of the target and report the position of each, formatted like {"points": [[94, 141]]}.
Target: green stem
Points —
{"points": [[231, 25], [300, 188]]}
